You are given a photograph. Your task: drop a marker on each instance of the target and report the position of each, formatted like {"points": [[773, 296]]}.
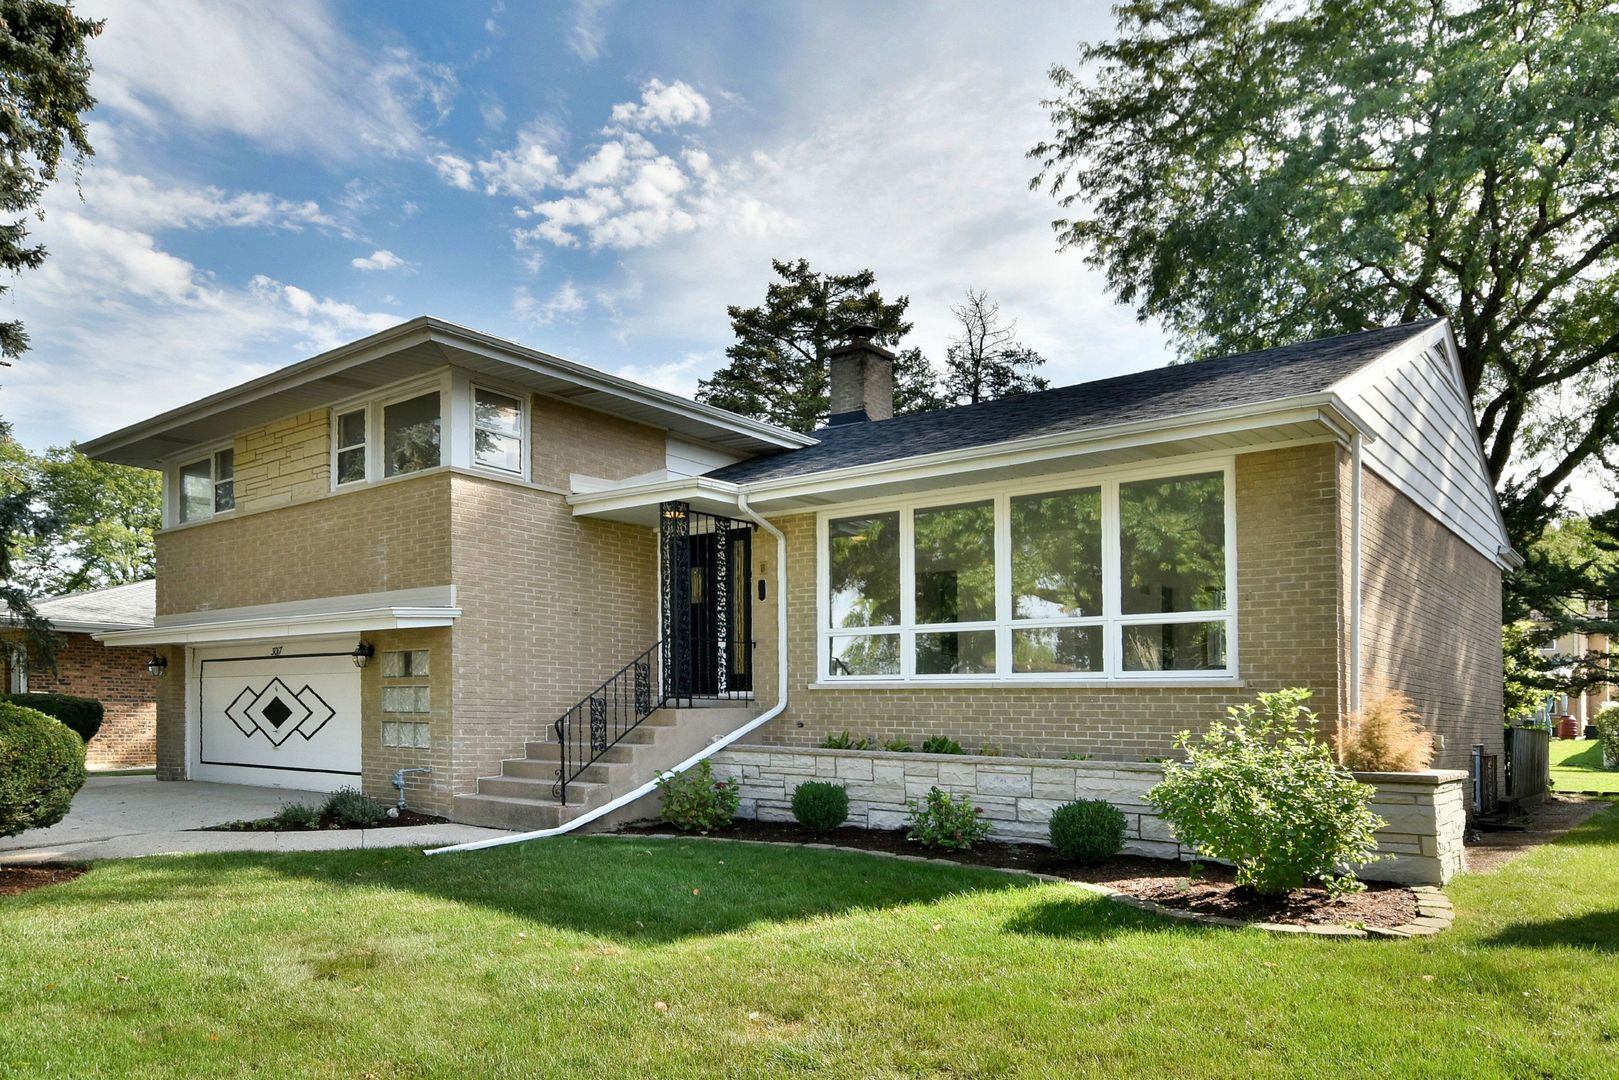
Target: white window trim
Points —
{"points": [[172, 489], [1113, 673], [365, 444], [524, 430], [373, 405]]}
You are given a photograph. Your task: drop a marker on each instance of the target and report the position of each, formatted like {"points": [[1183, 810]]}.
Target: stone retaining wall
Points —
{"points": [[1426, 812]]}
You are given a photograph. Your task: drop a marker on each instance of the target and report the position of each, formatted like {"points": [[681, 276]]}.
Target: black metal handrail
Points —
{"points": [[605, 715]]}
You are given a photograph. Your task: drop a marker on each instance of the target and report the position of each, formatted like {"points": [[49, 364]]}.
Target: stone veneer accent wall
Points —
{"points": [[284, 461], [1426, 812], [117, 678], [1290, 633]]}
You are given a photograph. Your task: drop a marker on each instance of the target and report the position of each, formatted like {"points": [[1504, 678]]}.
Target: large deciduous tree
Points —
{"points": [[97, 522], [778, 363], [985, 360], [1251, 173]]}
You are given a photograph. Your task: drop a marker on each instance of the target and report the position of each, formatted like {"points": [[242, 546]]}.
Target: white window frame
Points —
{"points": [[173, 488], [1112, 619], [365, 444], [373, 405], [524, 450]]}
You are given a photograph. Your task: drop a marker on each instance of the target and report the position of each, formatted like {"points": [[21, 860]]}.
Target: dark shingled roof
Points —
{"points": [[1159, 394]]}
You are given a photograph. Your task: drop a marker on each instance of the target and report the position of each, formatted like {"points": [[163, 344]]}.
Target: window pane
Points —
{"points": [[864, 571], [955, 564], [351, 429], [498, 451], [406, 699], [351, 465], [1172, 544], [196, 490], [1196, 646], [1057, 555], [498, 412], [1057, 649], [970, 652], [410, 435], [225, 496], [864, 654], [225, 465]]}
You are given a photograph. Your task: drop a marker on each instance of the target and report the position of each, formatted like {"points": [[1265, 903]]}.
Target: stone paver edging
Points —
{"points": [[1434, 910]]}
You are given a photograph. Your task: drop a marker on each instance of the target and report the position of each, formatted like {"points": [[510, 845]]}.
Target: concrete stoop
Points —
{"points": [[520, 797]]}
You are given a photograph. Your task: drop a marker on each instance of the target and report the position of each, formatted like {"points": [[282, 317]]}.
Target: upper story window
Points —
{"points": [[497, 430], [1106, 579], [207, 486], [350, 441], [410, 434]]}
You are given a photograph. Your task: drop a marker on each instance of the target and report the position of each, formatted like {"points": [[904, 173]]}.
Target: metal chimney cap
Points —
{"points": [[860, 332]]}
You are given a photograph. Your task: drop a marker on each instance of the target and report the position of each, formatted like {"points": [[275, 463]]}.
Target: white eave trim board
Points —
{"points": [[401, 609]]}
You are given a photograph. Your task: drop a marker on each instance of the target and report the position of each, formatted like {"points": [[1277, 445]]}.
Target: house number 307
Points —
{"points": [[275, 650]]}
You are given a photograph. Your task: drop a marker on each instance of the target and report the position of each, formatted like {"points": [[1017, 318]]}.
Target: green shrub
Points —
{"points": [[941, 744], [298, 816], [82, 714], [41, 769], [844, 741], [991, 749], [898, 746], [1261, 792], [1089, 830], [945, 822], [349, 809], [694, 801], [1607, 724], [820, 806]]}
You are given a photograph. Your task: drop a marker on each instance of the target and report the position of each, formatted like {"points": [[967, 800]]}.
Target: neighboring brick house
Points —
{"points": [[115, 676], [428, 549]]}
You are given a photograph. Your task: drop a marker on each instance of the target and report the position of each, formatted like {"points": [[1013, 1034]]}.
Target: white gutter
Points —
{"points": [[706, 752], [1354, 574]]}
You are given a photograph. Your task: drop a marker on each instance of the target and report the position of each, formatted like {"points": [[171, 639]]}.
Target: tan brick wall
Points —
{"points": [[570, 439], [1288, 635], [1431, 621], [116, 677], [284, 461], [553, 605], [171, 715], [392, 536], [429, 794]]}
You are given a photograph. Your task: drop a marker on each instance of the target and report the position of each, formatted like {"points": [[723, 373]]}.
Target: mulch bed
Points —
{"points": [[1163, 881], [20, 879], [406, 817]]}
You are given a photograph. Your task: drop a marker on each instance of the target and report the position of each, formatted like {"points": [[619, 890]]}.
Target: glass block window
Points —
{"points": [[405, 663], [411, 734], [407, 699]]}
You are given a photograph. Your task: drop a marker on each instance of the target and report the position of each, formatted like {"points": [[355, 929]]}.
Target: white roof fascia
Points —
{"points": [[630, 496], [403, 609], [1325, 408]]}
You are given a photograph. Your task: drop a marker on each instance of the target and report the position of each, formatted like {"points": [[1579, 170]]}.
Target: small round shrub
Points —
{"points": [[1089, 830], [348, 808], [820, 806], [41, 769], [298, 816], [82, 714], [941, 821], [693, 801]]}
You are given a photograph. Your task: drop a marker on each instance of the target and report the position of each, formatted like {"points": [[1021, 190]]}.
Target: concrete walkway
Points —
{"points": [[117, 817]]}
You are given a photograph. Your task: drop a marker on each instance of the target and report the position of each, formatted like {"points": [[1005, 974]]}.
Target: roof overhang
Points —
{"points": [[416, 348], [401, 609], [1313, 418]]}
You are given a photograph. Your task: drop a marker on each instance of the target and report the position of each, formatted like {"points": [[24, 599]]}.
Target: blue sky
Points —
{"points": [[595, 178]]}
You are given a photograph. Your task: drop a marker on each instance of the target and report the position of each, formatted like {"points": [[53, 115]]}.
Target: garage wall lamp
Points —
{"points": [[157, 665], [363, 652]]}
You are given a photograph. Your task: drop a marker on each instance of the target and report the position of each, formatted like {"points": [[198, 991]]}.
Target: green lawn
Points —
{"points": [[1577, 766], [550, 959]]}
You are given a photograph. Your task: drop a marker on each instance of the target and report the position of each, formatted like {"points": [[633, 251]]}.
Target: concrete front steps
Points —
{"points": [[520, 797]]}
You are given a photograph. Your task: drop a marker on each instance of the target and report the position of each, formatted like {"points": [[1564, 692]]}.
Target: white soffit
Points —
{"points": [[399, 609]]}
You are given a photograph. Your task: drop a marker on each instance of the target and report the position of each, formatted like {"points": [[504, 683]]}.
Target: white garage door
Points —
{"points": [[281, 721]]}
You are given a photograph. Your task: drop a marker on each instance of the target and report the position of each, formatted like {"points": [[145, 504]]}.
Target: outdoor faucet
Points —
{"points": [[399, 781]]}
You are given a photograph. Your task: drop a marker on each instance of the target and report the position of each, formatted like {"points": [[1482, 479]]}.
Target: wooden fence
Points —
{"points": [[1528, 763]]}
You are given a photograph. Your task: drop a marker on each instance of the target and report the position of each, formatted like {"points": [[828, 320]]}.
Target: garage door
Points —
{"points": [[282, 721]]}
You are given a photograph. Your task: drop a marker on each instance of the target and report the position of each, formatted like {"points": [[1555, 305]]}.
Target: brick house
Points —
{"points": [[115, 676], [540, 584]]}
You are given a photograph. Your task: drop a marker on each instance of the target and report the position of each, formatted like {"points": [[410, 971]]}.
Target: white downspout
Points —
{"points": [[1354, 574], [708, 751]]}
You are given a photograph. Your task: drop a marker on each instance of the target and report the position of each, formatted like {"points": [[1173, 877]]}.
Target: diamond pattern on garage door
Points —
{"points": [[277, 713]]}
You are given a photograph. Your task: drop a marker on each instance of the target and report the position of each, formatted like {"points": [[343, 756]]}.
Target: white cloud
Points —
{"points": [[286, 76], [455, 171], [140, 203], [382, 259], [586, 24], [526, 169], [662, 106], [537, 312]]}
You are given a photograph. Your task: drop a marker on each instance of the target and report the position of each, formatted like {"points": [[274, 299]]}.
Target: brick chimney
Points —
{"points": [[862, 378]]}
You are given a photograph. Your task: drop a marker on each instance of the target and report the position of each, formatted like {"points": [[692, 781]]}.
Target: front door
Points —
{"points": [[720, 653]]}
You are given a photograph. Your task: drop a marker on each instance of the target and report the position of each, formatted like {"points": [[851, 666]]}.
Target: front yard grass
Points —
{"points": [[1577, 766], [552, 959]]}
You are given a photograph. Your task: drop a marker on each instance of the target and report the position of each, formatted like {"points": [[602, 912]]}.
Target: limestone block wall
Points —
{"points": [[1426, 812]]}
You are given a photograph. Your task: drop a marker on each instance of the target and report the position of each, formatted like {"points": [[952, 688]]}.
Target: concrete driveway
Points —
{"points": [[115, 817]]}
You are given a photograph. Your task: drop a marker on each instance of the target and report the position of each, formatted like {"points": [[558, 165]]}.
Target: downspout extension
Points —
{"points": [[706, 752], [1355, 671]]}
